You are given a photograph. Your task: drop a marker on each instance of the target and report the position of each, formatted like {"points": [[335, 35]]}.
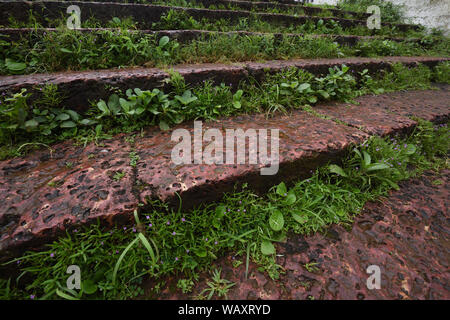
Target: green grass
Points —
{"points": [[24, 127], [73, 50], [389, 12], [173, 20], [242, 223], [298, 10]]}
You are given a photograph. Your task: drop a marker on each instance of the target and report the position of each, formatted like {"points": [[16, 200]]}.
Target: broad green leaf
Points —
{"points": [[31, 123], [68, 124], [238, 95], [367, 158], [62, 117], [75, 116], [163, 41], [88, 122], [303, 87], [290, 199], [267, 248], [221, 211], [338, 170], [410, 149], [113, 104], [65, 50], [163, 125], [14, 66], [377, 166], [281, 189], [237, 104], [300, 219], [276, 220], [324, 94], [101, 105], [200, 252], [88, 286], [65, 295]]}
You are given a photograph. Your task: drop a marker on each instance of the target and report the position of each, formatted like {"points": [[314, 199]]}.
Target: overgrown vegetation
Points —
{"points": [[45, 122], [389, 12], [66, 49], [243, 223]]}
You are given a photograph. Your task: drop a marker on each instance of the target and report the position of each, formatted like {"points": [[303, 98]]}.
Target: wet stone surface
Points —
{"points": [[305, 142], [184, 36], [391, 113], [80, 87], [146, 14], [45, 193], [407, 235]]}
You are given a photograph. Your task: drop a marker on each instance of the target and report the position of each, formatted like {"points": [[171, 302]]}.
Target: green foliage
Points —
{"points": [[442, 72], [286, 90], [389, 12], [244, 223], [186, 285], [18, 119], [217, 286], [404, 78]]}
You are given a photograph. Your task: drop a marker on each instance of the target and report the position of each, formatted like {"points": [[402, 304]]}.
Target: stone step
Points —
{"points": [[145, 14], [262, 5], [42, 197], [183, 36], [80, 87]]}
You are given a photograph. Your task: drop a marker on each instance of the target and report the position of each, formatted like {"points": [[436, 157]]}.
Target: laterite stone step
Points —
{"points": [[80, 87], [43, 196], [184, 36], [148, 14], [258, 5]]}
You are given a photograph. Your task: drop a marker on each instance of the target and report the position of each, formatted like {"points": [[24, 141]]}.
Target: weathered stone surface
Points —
{"points": [[406, 235], [46, 193], [387, 114], [305, 143], [80, 87], [187, 35], [147, 14]]}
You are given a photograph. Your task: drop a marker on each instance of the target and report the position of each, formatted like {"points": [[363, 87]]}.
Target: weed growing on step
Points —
{"points": [[74, 50], [46, 123], [113, 264], [389, 12], [442, 73]]}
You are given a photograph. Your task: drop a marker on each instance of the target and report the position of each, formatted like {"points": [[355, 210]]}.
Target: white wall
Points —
{"points": [[430, 13]]}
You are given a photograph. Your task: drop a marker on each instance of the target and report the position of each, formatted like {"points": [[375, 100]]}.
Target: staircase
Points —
{"points": [[43, 196]]}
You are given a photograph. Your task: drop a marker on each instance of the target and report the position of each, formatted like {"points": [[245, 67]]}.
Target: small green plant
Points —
{"points": [[119, 175], [134, 158], [442, 72], [186, 285], [187, 242], [217, 286], [366, 170], [312, 267]]}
